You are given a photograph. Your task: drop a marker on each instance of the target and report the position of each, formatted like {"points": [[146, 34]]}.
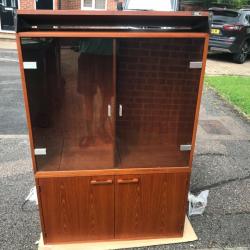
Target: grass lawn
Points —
{"points": [[235, 89]]}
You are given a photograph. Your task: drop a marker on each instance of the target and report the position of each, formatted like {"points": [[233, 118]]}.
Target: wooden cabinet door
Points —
{"points": [[77, 208], [150, 205]]}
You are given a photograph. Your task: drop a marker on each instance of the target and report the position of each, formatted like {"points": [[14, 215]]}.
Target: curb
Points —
{"points": [[7, 41], [7, 36]]}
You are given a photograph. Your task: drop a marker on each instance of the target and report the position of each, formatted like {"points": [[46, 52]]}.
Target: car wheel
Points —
{"points": [[241, 56]]}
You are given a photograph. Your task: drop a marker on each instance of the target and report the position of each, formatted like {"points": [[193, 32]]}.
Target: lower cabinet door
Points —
{"points": [[150, 205], [77, 208]]}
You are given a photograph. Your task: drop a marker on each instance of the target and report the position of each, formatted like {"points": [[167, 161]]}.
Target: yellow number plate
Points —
{"points": [[215, 31]]}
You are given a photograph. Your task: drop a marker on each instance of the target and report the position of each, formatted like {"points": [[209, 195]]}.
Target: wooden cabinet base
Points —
{"points": [[78, 209], [188, 236]]}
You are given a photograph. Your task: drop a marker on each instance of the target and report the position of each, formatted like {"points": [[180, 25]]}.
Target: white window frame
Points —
{"points": [[9, 31], [4, 2], [93, 5], [54, 7]]}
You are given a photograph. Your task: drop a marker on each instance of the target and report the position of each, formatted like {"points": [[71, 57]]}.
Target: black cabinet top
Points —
{"points": [[139, 21]]}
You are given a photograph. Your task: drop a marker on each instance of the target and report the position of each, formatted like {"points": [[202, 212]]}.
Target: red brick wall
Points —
{"points": [[111, 4], [70, 4], [157, 89], [191, 7], [27, 4], [65, 4]]}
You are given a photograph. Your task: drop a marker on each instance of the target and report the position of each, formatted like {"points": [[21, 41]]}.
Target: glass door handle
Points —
{"points": [[120, 110], [109, 111]]}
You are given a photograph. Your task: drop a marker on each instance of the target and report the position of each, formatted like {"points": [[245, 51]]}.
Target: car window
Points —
{"points": [[225, 16], [248, 19]]}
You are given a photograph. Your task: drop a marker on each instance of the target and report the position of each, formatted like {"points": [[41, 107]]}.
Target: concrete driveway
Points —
{"points": [[222, 64], [221, 164]]}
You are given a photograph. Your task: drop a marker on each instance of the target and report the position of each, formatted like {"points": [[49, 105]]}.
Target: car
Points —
{"points": [[230, 32], [156, 5]]}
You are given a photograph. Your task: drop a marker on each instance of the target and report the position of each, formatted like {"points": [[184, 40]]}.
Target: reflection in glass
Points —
{"points": [[158, 94], [71, 101], [70, 94]]}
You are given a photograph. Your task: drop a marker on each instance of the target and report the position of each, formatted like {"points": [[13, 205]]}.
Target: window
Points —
{"points": [[13, 3], [248, 19], [94, 4], [151, 5], [3, 3]]}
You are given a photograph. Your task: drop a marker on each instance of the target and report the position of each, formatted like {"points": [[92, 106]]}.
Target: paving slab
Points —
{"points": [[7, 40]]}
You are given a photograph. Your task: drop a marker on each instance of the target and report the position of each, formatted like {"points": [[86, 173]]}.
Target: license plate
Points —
{"points": [[215, 31]]}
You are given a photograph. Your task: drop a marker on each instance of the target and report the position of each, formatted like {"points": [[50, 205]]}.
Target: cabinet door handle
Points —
{"points": [[120, 110], [134, 180], [99, 182], [109, 110]]}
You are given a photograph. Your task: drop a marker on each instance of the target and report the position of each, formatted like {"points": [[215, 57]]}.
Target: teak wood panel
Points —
{"points": [[115, 172], [108, 34], [150, 205], [109, 13], [77, 208], [197, 111]]}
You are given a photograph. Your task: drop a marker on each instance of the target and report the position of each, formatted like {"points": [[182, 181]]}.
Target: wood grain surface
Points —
{"points": [[150, 205], [77, 208]]}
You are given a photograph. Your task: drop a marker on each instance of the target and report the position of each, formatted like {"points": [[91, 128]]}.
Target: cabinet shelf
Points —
{"points": [[94, 158]]}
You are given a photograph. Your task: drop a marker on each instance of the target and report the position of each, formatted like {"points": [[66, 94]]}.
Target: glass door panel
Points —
{"points": [[156, 98], [71, 101]]}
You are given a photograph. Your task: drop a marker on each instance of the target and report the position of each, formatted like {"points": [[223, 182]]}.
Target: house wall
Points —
{"points": [[27, 4], [65, 4]]}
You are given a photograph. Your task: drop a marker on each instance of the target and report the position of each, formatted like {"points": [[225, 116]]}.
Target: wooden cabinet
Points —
{"points": [[108, 207], [112, 103], [77, 208], [150, 205]]}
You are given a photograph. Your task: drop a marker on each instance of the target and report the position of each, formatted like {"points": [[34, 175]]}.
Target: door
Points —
{"points": [[44, 4], [70, 89], [150, 205], [8, 8], [77, 208], [156, 97]]}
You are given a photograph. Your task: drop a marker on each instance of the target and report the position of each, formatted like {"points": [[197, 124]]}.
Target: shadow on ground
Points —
{"points": [[223, 57]]}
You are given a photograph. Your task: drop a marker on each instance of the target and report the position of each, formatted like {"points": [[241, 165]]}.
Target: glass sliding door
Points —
{"points": [[71, 100], [156, 100]]}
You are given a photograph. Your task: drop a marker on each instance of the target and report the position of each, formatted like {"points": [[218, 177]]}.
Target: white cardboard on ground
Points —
{"points": [[189, 235]]}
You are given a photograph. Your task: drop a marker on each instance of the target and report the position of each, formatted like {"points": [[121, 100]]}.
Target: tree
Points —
{"points": [[234, 4]]}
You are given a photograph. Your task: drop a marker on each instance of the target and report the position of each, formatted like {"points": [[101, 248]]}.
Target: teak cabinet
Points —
{"points": [[108, 207], [112, 102]]}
